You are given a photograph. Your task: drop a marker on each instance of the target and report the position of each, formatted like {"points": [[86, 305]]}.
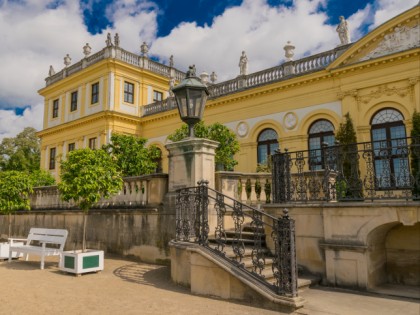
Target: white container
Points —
{"points": [[4, 250], [79, 262]]}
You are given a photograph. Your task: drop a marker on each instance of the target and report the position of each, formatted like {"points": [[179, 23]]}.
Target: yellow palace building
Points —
{"points": [[295, 105]]}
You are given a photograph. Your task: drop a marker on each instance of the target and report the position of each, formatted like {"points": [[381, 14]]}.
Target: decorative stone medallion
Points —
{"points": [[242, 129], [290, 120]]}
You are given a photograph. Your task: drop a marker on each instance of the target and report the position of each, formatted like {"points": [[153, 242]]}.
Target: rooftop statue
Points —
{"points": [[171, 61], [243, 64], [87, 50], [108, 41], [117, 40], [67, 60], [343, 31], [51, 71]]}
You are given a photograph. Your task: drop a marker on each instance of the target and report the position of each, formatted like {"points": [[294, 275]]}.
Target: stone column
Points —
{"points": [[190, 161]]}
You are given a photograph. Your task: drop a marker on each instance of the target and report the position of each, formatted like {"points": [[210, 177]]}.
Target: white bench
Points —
{"points": [[41, 242]]}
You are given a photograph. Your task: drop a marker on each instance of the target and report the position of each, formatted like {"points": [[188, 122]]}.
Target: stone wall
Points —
{"points": [[142, 233], [357, 244]]}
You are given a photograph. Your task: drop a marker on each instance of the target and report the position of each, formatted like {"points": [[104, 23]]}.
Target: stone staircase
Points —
{"points": [[247, 238]]}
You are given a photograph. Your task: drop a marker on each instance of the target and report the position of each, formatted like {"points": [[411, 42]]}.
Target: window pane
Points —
{"points": [[321, 126], [267, 134], [262, 154], [387, 115]]}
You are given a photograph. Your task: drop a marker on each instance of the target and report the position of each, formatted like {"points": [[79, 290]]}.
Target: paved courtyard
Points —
{"points": [[129, 287]]}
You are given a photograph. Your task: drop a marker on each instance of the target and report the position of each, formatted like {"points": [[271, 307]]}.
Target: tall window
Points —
{"points": [[52, 158], [267, 144], [390, 149], [73, 101], [128, 92], [72, 146], [92, 143], [321, 131], [55, 109], [157, 96], [95, 93]]}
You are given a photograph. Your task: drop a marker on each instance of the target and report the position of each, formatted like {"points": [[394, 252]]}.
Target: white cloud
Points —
{"points": [[12, 124], [260, 30], [386, 9]]}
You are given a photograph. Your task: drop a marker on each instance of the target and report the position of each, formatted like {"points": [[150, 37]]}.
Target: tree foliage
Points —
{"points": [[346, 133], [132, 157], [21, 153], [15, 188], [86, 177], [228, 147], [41, 178], [350, 185]]}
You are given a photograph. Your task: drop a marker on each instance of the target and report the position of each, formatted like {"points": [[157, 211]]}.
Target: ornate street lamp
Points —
{"points": [[191, 96]]}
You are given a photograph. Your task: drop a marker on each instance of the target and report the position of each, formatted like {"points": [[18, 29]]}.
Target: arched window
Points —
{"points": [[320, 131], [390, 148], [267, 144]]}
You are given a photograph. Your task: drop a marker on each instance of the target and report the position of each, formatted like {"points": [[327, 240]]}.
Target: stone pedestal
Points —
{"points": [[190, 161]]}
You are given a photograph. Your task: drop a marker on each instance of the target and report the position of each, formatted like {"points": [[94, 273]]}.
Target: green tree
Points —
{"points": [[86, 177], [41, 178], [21, 153], [132, 156], [15, 188], [348, 183], [415, 154], [228, 147]]}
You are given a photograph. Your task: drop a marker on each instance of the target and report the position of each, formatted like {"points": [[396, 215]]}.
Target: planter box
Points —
{"points": [[4, 250], [79, 262]]}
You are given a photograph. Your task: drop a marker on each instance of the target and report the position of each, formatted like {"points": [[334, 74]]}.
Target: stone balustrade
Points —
{"points": [[137, 191], [241, 186], [266, 76], [118, 54]]}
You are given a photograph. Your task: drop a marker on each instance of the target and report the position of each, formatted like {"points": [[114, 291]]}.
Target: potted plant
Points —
{"points": [[258, 189], [15, 188], [248, 190], [267, 190], [86, 177]]}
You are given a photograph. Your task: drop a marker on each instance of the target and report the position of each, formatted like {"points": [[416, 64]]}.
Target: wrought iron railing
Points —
{"points": [[272, 241], [387, 169]]}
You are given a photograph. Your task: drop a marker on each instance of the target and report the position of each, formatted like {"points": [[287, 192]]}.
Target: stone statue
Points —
{"points": [[343, 31], [117, 40], [67, 60], [213, 77], [191, 71], [144, 49], [108, 41], [171, 61], [243, 64], [51, 71], [87, 50]]}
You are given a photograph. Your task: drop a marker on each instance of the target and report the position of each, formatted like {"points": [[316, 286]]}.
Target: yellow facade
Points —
{"points": [[381, 70]]}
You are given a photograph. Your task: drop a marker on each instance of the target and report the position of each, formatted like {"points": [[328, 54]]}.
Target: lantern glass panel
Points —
{"points": [[194, 102], [181, 97]]}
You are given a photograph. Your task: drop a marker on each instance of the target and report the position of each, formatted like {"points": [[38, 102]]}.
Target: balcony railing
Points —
{"points": [[380, 170]]}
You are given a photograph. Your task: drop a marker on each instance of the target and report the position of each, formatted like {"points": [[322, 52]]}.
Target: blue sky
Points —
{"points": [[208, 33]]}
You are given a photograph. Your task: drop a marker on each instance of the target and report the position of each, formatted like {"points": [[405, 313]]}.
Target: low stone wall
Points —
{"points": [[143, 233], [357, 244]]}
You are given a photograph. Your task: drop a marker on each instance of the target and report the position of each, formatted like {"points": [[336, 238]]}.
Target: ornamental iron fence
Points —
{"points": [[260, 245], [387, 169]]}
